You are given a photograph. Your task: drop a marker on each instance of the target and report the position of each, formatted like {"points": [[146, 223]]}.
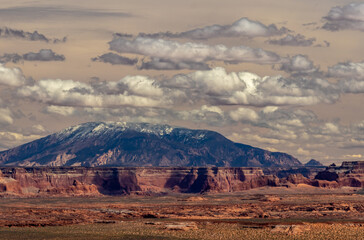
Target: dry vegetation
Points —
{"points": [[255, 214]]}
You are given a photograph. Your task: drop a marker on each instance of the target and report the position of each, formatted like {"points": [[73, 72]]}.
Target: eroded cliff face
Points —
{"points": [[70, 181], [117, 181]]}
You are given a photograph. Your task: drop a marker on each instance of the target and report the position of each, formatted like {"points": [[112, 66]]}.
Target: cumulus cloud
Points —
{"points": [[211, 115], [130, 91], [191, 52], [244, 114], [11, 76], [166, 64], [243, 88], [29, 36], [42, 55], [351, 76], [243, 27], [293, 40], [298, 64], [347, 70], [350, 16], [115, 59]]}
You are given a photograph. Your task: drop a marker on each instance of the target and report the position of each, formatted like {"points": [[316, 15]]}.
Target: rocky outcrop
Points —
{"points": [[348, 174], [313, 163], [117, 181]]}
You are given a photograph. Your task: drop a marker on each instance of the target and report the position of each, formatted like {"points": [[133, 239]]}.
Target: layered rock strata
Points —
{"points": [[117, 181]]}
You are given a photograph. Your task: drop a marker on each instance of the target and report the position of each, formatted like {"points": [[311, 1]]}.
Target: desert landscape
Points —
{"points": [[181, 203], [300, 212]]}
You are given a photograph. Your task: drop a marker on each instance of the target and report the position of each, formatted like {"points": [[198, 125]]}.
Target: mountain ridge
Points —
{"points": [[140, 144]]}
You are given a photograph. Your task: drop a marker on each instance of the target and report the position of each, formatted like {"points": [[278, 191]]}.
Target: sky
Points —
{"points": [[283, 75]]}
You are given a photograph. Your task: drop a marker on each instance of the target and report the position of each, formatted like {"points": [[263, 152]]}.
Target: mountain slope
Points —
{"points": [[139, 144]]}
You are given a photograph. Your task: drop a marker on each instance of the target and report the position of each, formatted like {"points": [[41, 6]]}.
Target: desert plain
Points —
{"points": [[300, 212]]}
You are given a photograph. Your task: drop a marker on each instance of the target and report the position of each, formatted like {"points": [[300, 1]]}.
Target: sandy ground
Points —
{"points": [[266, 213]]}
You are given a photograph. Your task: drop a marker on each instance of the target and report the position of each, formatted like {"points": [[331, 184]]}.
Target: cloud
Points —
{"points": [[347, 70], [60, 110], [10, 139], [10, 57], [299, 64], [191, 52], [212, 115], [207, 87], [166, 64], [350, 75], [243, 27], [350, 16], [218, 87], [293, 40], [115, 59], [138, 91], [29, 36], [11, 76], [244, 114], [353, 156], [28, 13], [6, 116], [43, 55]]}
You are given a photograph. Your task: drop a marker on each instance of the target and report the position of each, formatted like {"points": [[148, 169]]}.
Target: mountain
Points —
{"points": [[140, 144], [313, 163]]}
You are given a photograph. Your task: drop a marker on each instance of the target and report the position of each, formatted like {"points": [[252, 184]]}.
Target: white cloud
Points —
{"points": [[216, 86], [244, 114], [347, 70], [64, 111], [136, 91], [191, 52], [298, 64], [353, 156], [11, 76], [243, 27]]}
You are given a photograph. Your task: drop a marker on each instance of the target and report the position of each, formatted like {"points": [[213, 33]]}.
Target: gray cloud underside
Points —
{"points": [[293, 40], [176, 52], [115, 59], [42, 55], [243, 27], [350, 16], [29, 36], [166, 64]]}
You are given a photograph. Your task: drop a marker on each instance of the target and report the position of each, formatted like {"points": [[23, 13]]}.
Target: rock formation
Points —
{"points": [[117, 181], [70, 181]]}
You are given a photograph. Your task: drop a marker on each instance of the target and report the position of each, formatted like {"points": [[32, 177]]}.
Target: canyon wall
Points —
{"points": [[70, 181], [117, 181]]}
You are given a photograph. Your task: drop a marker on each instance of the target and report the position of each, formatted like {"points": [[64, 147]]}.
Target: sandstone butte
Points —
{"points": [[71, 181]]}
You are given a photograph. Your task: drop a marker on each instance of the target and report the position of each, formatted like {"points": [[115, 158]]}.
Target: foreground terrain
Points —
{"points": [[302, 212]]}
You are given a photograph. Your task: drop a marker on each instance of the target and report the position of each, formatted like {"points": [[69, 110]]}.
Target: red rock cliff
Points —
{"points": [[114, 181]]}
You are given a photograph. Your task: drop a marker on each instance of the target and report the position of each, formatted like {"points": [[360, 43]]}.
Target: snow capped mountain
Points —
{"points": [[139, 144]]}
